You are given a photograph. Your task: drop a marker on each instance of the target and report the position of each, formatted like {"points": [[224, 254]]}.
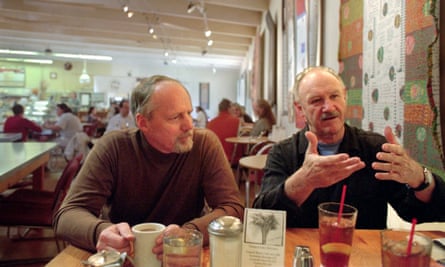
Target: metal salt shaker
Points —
{"points": [[225, 236], [302, 257]]}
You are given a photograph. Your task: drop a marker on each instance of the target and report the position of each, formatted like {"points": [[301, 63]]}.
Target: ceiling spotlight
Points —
{"points": [[208, 33], [151, 30], [130, 14], [166, 53], [155, 36], [125, 8], [210, 42], [174, 61]]}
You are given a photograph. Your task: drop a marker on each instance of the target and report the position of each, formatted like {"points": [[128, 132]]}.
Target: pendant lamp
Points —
{"points": [[84, 77]]}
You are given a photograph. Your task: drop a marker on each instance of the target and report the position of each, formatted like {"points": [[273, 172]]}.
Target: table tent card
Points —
{"points": [[264, 236]]}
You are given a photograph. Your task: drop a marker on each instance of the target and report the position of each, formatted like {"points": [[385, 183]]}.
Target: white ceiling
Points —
{"points": [[101, 27]]}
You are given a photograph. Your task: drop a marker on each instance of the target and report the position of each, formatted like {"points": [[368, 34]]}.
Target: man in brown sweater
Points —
{"points": [[161, 172]]}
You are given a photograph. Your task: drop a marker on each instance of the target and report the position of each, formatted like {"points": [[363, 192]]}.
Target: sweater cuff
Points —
{"points": [[99, 228]]}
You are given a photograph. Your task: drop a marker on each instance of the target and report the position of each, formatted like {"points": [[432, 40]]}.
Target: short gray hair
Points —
{"points": [[141, 94], [299, 77]]}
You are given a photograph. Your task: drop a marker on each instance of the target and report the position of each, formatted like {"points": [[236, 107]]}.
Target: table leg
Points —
{"points": [[232, 160], [37, 178]]}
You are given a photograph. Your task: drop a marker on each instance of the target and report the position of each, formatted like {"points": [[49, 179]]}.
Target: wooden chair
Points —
{"points": [[33, 209]]}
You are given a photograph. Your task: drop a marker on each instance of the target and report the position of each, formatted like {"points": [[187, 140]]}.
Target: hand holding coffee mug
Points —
{"points": [[145, 236]]}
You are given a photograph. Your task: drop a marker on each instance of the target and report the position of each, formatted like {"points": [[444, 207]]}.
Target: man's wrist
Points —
{"points": [[427, 180]]}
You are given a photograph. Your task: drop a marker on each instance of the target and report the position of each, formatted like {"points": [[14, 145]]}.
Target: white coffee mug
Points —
{"points": [[145, 236]]}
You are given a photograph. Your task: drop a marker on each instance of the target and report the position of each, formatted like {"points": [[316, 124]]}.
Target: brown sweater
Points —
{"points": [[124, 179]]}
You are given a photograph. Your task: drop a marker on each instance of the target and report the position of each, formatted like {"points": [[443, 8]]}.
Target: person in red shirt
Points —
{"points": [[226, 125], [20, 124]]}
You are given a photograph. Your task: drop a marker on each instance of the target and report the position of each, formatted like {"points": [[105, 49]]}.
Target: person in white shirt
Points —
{"points": [[67, 124], [123, 120], [201, 118]]}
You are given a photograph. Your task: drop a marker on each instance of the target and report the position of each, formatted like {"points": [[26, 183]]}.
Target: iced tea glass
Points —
{"points": [[395, 249], [336, 233]]}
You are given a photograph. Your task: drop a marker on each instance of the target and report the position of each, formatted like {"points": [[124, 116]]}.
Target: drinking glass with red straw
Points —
{"points": [[411, 236], [342, 202]]}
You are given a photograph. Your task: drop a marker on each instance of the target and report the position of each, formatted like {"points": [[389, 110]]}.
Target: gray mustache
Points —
{"points": [[329, 115]]}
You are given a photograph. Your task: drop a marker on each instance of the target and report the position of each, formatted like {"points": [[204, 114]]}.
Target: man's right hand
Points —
{"points": [[116, 237], [319, 171]]}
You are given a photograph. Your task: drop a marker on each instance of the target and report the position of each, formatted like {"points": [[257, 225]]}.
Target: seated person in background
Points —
{"points": [[123, 120], [201, 118], [225, 125], [266, 118], [67, 124], [96, 121], [238, 111], [74, 103], [92, 116], [112, 110], [312, 166], [162, 171], [19, 124]]}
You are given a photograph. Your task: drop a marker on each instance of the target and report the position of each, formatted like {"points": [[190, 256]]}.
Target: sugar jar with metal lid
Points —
{"points": [[105, 258], [302, 257], [225, 236]]}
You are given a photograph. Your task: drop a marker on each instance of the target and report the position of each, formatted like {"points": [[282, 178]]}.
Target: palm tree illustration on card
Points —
{"points": [[265, 227]]}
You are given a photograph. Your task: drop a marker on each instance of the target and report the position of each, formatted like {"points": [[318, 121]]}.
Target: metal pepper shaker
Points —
{"points": [[225, 236], [302, 257]]}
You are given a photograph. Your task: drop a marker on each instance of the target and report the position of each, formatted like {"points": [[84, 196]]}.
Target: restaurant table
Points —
{"points": [[44, 136], [247, 140], [365, 249], [255, 163], [10, 137], [244, 140], [21, 159]]}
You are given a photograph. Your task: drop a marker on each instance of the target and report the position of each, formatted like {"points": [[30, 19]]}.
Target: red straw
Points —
{"points": [[411, 236], [342, 202]]}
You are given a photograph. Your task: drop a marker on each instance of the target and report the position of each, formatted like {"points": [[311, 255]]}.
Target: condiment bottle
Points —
{"points": [[225, 236], [302, 257]]}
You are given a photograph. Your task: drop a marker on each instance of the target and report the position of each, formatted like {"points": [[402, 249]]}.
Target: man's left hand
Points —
{"points": [[397, 165]]}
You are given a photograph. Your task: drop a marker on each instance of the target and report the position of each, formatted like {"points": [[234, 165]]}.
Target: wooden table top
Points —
{"points": [[365, 249], [20, 159], [365, 246], [10, 137], [248, 140], [255, 162]]}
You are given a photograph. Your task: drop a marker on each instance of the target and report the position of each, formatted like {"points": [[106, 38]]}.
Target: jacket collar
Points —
{"points": [[351, 146]]}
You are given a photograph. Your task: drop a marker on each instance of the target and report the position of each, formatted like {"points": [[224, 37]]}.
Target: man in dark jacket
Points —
{"points": [[312, 166]]}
